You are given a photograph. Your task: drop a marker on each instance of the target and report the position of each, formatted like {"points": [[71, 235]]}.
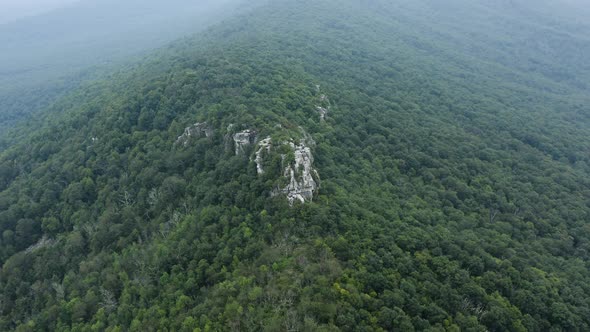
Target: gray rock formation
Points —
{"points": [[301, 175], [44, 242], [323, 112], [263, 146], [197, 130], [243, 139], [324, 106], [302, 178]]}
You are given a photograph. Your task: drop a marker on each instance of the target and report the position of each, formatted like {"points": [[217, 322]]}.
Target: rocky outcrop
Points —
{"points": [[322, 111], [303, 179], [263, 147], [44, 242], [298, 180], [323, 107], [198, 130], [244, 139]]}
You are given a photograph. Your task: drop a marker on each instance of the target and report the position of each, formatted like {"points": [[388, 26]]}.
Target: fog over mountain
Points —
{"points": [[47, 53], [12, 10]]}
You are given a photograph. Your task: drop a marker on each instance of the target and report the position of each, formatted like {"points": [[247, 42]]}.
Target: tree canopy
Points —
{"points": [[454, 180]]}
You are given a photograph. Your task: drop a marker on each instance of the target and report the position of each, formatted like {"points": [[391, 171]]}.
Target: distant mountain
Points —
{"points": [[313, 166], [45, 55]]}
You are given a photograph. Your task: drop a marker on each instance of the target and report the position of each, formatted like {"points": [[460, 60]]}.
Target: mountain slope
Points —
{"points": [[453, 184]]}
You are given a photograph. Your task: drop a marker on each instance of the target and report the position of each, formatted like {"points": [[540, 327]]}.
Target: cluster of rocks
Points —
{"points": [[301, 177], [198, 130]]}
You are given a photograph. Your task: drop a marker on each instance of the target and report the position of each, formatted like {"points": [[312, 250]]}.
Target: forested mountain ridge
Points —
{"points": [[454, 185]]}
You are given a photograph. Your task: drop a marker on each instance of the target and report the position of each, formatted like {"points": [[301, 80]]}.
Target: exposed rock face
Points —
{"points": [[303, 179], [301, 174], [197, 130], [323, 112], [302, 184], [263, 146], [44, 242], [324, 106], [243, 139]]}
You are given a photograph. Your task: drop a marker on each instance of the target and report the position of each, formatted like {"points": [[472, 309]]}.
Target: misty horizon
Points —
{"points": [[14, 10]]}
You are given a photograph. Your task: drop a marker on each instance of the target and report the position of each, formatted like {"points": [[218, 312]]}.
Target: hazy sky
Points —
{"points": [[11, 10]]}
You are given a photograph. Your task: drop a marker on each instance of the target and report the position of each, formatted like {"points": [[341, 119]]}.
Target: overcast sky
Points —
{"points": [[11, 10]]}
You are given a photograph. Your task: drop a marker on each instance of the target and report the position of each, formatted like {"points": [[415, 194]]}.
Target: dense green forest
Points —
{"points": [[453, 178]]}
